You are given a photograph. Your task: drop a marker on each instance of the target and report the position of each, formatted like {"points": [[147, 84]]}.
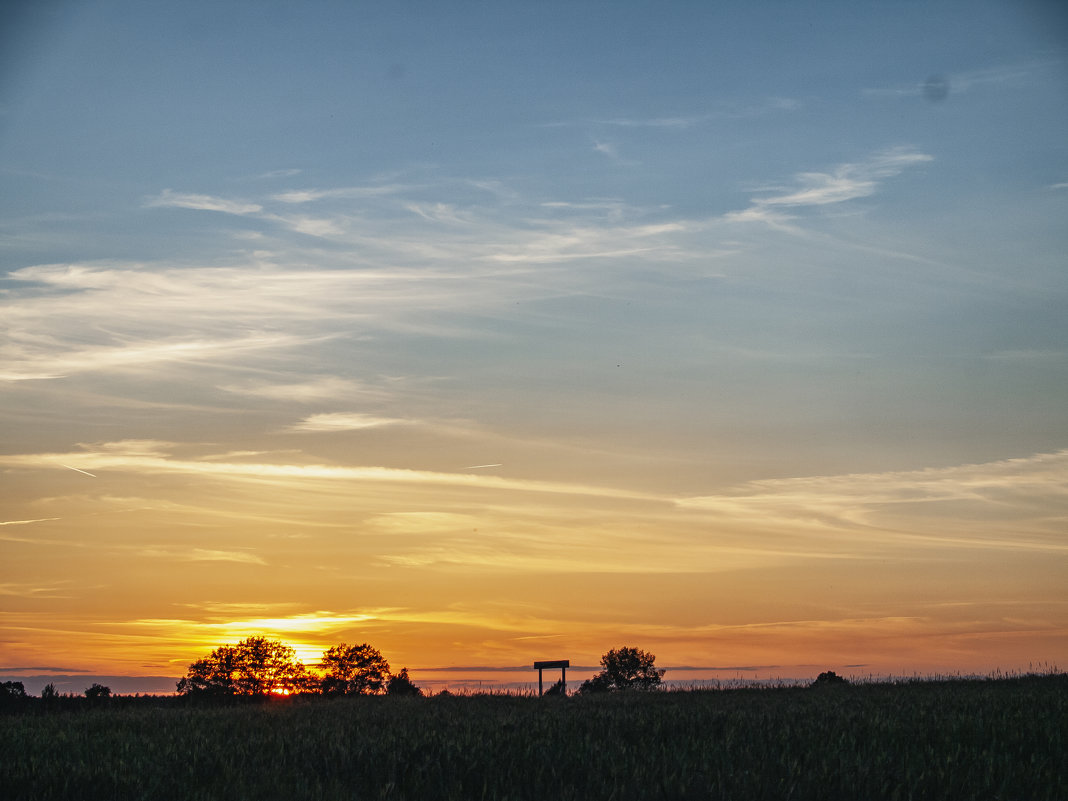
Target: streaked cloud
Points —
{"points": [[30, 590], [25, 365], [344, 421], [908, 506], [314, 390], [848, 181], [344, 192], [203, 555], [170, 198], [1005, 75], [684, 121], [282, 173], [607, 148]]}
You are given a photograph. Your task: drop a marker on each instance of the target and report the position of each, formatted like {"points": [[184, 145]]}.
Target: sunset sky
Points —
{"points": [[495, 332]]}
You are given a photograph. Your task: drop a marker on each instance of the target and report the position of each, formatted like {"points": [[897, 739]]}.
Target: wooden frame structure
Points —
{"points": [[563, 664]]}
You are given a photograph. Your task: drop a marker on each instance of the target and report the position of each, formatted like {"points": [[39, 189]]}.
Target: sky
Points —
{"points": [[488, 333]]}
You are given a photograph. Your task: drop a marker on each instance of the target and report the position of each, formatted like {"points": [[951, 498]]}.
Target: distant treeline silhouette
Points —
{"points": [[261, 668]]}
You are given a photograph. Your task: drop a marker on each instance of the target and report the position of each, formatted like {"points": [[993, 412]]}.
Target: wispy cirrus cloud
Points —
{"points": [[848, 181], [654, 122], [287, 172], [313, 390], [684, 121], [24, 365], [134, 457], [297, 196], [607, 148], [184, 200], [1007, 75], [344, 421], [203, 555], [59, 589], [959, 505]]}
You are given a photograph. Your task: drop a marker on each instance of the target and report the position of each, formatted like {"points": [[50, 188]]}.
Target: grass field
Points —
{"points": [[991, 739]]}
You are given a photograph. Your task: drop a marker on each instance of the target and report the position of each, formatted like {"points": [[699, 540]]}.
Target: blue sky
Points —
{"points": [[708, 257]]}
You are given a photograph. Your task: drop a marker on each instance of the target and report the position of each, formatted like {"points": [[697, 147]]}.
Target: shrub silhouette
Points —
{"points": [[624, 669], [402, 685], [557, 689], [97, 692], [12, 693], [829, 679]]}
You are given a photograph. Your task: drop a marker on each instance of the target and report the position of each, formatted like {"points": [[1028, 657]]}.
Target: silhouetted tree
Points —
{"points": [[624, 669], [828, 678], [353, 670], [49, 692], [560, 689], [12, 693], [402, 685], [97, 691], [255, 667]]}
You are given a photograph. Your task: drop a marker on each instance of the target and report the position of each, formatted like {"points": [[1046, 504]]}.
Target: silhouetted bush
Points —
{"points": [[829, 678], [402, 685], [560, 689], [12, 695]]}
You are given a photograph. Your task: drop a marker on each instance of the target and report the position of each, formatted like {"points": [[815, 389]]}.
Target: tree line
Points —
{"points": [[258, 667]]}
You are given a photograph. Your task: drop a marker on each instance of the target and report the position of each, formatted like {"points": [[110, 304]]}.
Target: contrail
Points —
{"points": [[480, 466], [75, 469]]}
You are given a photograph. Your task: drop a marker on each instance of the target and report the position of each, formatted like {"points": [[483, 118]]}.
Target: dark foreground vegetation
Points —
{"points": [[960, 739]]}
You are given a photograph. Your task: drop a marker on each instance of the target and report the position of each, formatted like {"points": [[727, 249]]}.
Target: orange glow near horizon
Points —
{"points": [[782, 578]]}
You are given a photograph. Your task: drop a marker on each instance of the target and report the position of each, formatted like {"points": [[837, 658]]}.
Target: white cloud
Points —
{"points": [[313, 390], [438, 212], [415, 523], [284, 173], [313, 226], [845, 182], [342, 421], [56, 589], [907, 505], [169, 198], [655, 122], [119, 457], [967, 80], [203, 555], [312, 195], [212, 555], [608, 148], [25, 365]]}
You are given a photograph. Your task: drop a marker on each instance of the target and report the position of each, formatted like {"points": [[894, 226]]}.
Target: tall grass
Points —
{"points": [[956, 740]]}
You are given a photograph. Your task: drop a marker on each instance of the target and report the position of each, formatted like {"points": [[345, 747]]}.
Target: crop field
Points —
{"points": [[989, 739]]}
